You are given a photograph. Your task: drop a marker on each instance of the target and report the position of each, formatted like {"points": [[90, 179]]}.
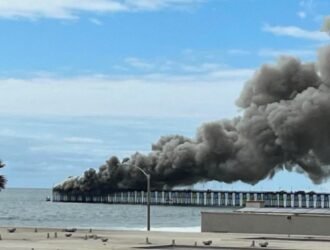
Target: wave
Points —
{"points": [[9, 217]]}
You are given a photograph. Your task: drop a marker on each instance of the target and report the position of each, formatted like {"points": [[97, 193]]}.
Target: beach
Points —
{"points": [[83, 239]]}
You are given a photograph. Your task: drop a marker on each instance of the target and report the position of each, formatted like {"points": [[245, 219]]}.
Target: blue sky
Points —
{"points": [[83, 80]]}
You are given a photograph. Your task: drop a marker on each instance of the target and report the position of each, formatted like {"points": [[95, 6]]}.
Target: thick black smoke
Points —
{"points": [[285, 124]]}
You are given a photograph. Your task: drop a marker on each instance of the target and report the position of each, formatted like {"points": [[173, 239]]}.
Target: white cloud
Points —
{"points": [[232, 74], [301, 14], [198, 68], [69, 9], [138, 63], [170, 66], [11, 133], [154, 95], [82, 140], [290, 52], [79, 148], [238, 52], [296, 32], [160, 4], [96, 21], [61, 9]]}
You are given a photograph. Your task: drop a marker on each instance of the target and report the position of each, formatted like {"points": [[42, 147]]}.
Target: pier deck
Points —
{"points": [[207, 198]]}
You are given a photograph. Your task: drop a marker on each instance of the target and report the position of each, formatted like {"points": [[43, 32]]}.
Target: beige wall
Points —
{"points": [[265, 223]]}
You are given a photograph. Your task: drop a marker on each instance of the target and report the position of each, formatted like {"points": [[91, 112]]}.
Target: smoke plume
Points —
{"points": [[326, 25], [285, 124]]}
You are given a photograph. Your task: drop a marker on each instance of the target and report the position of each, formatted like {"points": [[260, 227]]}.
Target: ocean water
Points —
{"points": [[28, 207]]}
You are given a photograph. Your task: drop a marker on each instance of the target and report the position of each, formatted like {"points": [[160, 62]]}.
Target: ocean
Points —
{"points": [[29, 208]]}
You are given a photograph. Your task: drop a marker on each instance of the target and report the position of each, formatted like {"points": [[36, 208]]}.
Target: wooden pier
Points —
{"points": [[209, 198]]}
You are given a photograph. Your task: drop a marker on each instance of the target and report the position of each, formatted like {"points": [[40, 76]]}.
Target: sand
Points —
{"points": [[27, 239]]}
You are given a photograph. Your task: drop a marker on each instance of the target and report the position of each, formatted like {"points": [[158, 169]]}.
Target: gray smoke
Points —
{"points": [[285, 124], [326, 25]]}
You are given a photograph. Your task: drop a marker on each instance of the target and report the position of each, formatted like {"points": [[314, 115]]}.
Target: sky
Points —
{"points": [[83, 80]]}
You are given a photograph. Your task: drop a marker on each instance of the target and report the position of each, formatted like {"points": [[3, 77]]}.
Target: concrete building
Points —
{"points": [[269, 221]]}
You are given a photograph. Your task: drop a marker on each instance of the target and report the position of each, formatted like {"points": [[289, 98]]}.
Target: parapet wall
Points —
{"points": [[257, 223]]}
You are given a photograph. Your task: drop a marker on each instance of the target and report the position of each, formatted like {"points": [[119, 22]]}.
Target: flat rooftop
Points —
{"points": [[268, 210], [275, 211]]}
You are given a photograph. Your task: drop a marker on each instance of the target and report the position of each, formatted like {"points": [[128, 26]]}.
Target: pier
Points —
{"points": [[207, 198]]}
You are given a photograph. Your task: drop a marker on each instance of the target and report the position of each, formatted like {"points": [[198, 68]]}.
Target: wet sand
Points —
{"points": [[27, 239]]}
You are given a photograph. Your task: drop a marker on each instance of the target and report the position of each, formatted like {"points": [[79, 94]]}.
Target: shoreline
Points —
{"points": [[192, 229], [83, 239]]}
